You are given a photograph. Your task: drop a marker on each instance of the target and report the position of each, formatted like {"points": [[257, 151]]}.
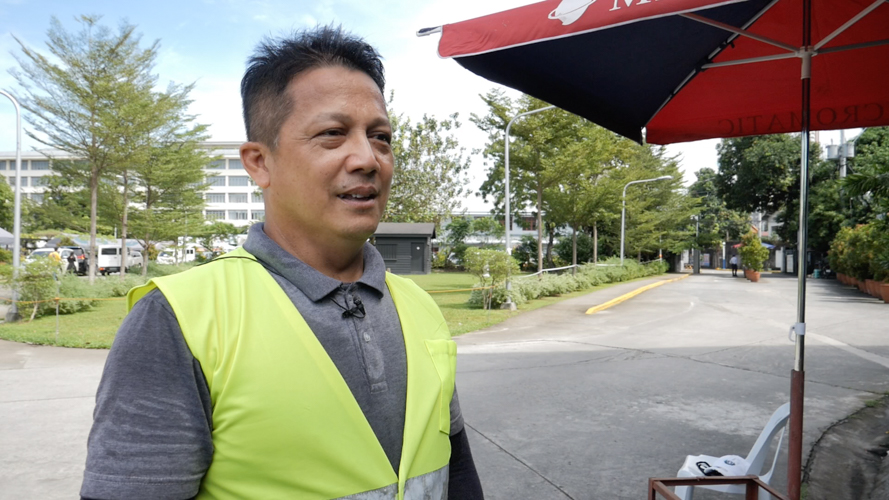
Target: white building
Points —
{"points": [[232, 196]]}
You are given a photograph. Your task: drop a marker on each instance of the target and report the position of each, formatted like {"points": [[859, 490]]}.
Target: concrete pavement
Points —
{"points": [[559, 404], [565, 405]]}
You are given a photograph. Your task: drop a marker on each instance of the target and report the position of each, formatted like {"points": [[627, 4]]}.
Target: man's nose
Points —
{"points": [[362, 156]]}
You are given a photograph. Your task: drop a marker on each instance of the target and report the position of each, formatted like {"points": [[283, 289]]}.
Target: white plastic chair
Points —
{"points": [[754, 460]]}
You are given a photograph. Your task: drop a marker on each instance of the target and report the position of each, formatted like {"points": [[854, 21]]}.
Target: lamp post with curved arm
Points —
{"points": [[506, 219], [623, 210], [12, 314]]}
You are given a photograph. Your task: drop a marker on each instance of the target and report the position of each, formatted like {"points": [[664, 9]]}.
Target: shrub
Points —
{"points": [[6, 256], [753, 254], [548, 285], [491, 267]]}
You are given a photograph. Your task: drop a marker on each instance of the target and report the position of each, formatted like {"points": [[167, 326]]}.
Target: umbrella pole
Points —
{"points": [[798, 374]]}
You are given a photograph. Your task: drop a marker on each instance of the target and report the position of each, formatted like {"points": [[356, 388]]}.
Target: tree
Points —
{"points": [[658, 214], [66, 201], [169, 179], [536, 141], [7, 206], [717, 222], [491, 267], [487, 229], [581, 194], [758, 173], [430, 169], [84, 104], [871, 164]]}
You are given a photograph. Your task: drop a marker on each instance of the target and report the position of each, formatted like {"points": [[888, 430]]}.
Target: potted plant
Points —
{"points": [[753, 254]]}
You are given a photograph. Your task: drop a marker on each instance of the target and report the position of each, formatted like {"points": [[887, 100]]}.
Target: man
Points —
{"points": [[293, 367], [734, 262], [55, 257]]}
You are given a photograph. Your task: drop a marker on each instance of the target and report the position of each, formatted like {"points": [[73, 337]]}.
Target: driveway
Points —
{"points": [[565, 405]]}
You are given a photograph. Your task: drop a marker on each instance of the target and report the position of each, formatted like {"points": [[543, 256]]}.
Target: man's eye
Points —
{"points": [[387, 138]]}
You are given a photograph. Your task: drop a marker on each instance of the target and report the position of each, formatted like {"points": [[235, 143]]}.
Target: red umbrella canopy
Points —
{"points": [[687, 69]]}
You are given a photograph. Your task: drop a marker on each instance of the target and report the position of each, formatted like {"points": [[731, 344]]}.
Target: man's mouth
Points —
{"points": [[358, 197]]}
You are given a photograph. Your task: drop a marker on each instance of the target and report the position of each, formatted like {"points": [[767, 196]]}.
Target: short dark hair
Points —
{"points": [[277, 61]]}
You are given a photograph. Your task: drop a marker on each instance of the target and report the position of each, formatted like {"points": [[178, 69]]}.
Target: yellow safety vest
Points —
{"points": [[285, 424]]}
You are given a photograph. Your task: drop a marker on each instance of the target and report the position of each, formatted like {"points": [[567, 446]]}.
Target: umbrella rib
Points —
{"points": [[854, 46], [739, 31], [710, 58], [849, 23], [736, 62]]}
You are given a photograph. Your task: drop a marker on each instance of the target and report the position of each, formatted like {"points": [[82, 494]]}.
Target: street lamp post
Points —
{"points": [[12, 314], [623, 210], [507, 223]]}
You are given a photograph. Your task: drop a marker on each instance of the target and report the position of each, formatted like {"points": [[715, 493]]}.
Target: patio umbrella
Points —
{"points": [[686, 70]]}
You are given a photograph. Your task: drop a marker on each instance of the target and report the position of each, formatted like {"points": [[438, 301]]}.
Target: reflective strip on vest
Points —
{"points": [[285, 424], [431, 486]]}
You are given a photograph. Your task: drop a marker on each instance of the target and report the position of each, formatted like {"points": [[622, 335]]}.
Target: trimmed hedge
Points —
{"points": [[588, 276]]}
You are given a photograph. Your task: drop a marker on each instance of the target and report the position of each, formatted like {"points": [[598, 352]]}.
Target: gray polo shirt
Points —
{"points": [[151, 435]]}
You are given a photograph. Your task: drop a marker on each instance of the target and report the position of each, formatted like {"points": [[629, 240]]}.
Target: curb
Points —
{"points": [[630, 295]]}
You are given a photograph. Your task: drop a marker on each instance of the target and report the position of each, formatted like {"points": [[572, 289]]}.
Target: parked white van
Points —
{"points": [[109, 259]]}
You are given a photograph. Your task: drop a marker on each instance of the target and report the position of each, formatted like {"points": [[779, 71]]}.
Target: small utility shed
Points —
{"points": [[406, 247]]}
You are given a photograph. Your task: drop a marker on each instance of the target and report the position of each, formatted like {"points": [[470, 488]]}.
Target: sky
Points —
{"points": [[207, 42]]}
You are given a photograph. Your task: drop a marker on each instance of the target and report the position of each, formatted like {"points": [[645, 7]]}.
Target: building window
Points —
{"points": [[215, 214], [257, 215], [3, 164], [237, 215], [388, 251], [235, 165], [257, 197], [216, 165], [24, 181], [237, 180], [215, 197], [765, 224], [37, 197], [38, 181], [216, 181], [39, 165], [237, 198]]}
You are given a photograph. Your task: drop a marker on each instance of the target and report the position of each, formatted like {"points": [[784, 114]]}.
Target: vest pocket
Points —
{"points": [[444, 357]]}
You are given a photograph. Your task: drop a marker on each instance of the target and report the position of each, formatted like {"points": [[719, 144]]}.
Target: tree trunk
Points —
{"points": [[124, 255], [94, 202], [595, 242], [574, 250], [145, 244], [639, 256], [549, 246]]}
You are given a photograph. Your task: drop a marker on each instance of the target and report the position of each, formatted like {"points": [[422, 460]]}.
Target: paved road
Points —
{"points": [[559, 404], [565, 405]]}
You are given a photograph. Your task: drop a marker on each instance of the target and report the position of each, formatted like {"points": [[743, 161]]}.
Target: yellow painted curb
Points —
{"points": [[630, 295]]}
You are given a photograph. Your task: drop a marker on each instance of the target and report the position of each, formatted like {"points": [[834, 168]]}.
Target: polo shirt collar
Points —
{"points": [[315, 285]]}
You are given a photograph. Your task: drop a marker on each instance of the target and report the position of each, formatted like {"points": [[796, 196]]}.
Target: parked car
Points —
{"points": [[166, 258], [82, 259], [109, 259]]}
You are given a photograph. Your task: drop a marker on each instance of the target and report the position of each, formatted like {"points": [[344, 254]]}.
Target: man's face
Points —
{"points": [[330, 174]]}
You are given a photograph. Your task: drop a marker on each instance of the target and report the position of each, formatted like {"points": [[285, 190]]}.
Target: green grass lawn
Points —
{"points": [[96, 328], [91, 329]]}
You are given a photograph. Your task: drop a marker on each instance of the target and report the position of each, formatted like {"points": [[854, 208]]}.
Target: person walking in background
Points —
{"points": [[734, 264], [72, 263]]}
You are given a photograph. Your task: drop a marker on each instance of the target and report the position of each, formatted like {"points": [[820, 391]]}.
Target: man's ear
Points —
{"points": [[255, 157]]}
